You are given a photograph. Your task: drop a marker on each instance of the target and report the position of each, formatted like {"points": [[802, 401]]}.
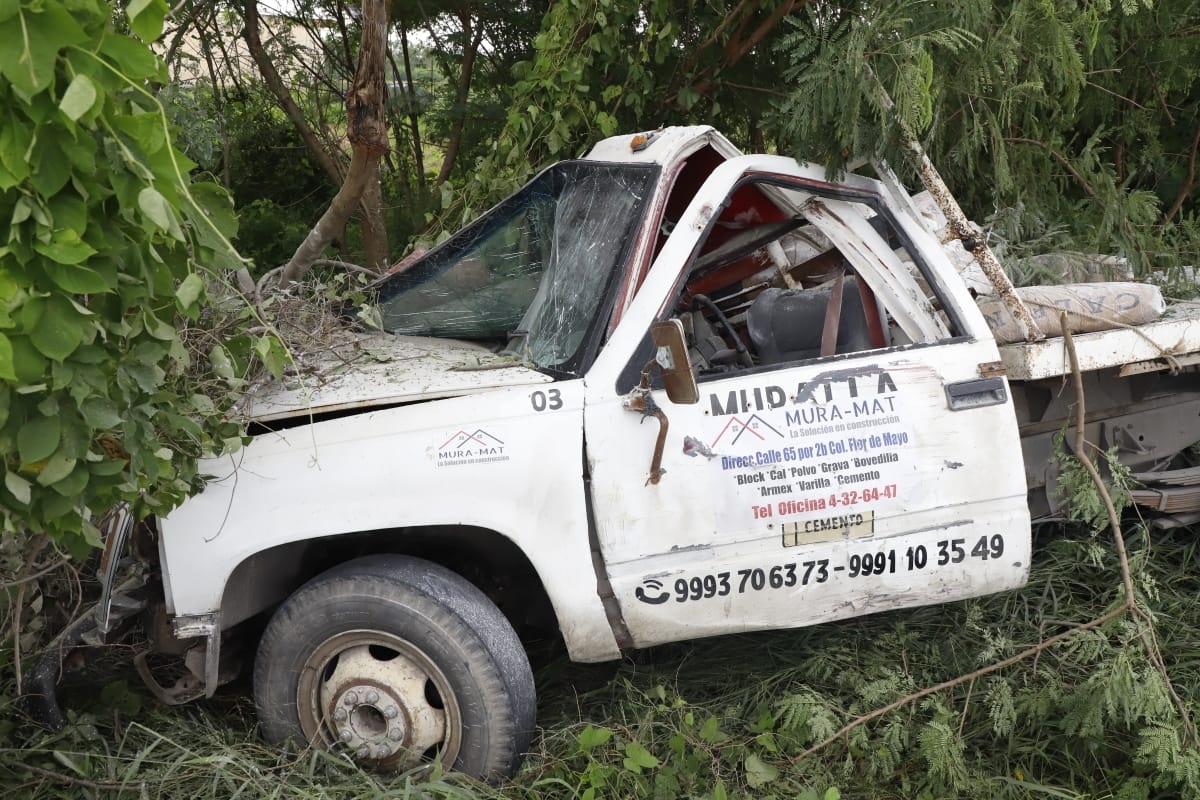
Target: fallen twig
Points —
{"points": [[1148, 636]]}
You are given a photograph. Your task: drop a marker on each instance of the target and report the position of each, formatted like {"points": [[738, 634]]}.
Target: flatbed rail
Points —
{"points": [[1168, 344]]}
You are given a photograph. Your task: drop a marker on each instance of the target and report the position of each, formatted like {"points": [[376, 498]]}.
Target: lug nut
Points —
{"points": [[346, 736], [351, 698], [363, 752], [391, 712], [396, 734], [372, 697], [382, 752], [340, 714]]}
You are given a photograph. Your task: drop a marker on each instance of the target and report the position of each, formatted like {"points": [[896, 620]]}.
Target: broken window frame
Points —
{"points": [[564, 343], [925, 325]]}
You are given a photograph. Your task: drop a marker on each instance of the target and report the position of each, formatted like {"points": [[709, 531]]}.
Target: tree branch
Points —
{"points": [[1189, 185], [284, 95], [367, 132]]}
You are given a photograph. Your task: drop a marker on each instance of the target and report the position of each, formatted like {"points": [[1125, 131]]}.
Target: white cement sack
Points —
{"points": [[1090, 307]]}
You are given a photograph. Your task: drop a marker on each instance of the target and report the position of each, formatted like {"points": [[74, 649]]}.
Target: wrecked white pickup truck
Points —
{"points": [[663, 392]]}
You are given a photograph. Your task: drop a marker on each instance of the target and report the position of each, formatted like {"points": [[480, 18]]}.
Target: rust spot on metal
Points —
{"points": [[694, 447], [991, 369], [641, 401]]}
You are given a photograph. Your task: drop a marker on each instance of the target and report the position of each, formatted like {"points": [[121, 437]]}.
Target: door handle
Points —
{"points": [[976, 393]]}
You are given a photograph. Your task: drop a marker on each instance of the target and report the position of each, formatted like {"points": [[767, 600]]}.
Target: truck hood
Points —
{"points": [[368, 370]]}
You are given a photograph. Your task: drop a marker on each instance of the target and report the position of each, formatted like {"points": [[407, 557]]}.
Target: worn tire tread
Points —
{"points": [[456, 614]]}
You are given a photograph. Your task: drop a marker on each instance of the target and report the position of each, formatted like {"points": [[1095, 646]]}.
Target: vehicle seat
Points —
{"points": [[785, 324]]}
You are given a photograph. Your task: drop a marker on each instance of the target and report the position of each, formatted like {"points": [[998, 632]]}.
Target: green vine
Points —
{"points": [[106, 250]]}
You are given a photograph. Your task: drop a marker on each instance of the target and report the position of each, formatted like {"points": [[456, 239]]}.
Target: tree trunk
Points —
{"points": [[368, 138], [414, 121], [471, 41], [278, 88], [374, 228]]}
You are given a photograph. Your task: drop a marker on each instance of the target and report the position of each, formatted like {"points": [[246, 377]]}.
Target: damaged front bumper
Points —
{"points": [[118, 604]]}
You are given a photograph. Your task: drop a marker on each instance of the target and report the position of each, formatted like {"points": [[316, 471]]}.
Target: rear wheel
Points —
{"points": [[394, 660]]}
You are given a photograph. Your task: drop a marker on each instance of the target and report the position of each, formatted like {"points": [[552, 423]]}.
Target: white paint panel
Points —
{"points": [[491, 460], [821, 461], [812, 585], [829, 460]]}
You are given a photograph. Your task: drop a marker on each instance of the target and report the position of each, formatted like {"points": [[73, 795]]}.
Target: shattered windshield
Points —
{"points": [[531, 274]]}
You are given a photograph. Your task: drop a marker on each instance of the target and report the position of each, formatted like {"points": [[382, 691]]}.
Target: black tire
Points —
{"points": [[395, 660]]}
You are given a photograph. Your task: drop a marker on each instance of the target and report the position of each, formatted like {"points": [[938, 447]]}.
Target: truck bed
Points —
{"points": [[1172, 341]]}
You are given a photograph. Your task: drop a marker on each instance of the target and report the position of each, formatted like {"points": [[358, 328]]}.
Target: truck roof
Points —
{"points": [[661, 146]]}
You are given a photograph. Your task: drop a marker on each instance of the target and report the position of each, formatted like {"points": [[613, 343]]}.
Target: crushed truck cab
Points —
{"points": [[663, 392]]}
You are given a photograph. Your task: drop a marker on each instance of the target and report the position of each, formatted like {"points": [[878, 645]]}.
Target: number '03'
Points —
{"points": [[550, 399]]}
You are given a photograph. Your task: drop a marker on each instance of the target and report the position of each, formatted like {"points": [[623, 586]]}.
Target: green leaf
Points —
{"points": [[146, 18], [31, 44], [711, 731], [767, 742], [118, 696], [70, 763], [59, 331], [65, 247], [38, 439], [638, 758], [68, 210], [78, 279], [156, 207], [22, 211], [591, 737], [163, 331], [218, 358], [758, 772], [148, 377], [18, 487], [7, 371], [16, 137], [189, 290], [79, 97], [100, 413], [133, 58], [72, 483], [270, 351], [51, 166], [28, 363]]}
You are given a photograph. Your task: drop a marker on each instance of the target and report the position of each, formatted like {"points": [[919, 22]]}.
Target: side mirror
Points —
{"points": [[671, 354]]}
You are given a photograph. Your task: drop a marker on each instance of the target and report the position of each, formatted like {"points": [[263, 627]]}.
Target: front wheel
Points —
{"points": [[395, 660]]}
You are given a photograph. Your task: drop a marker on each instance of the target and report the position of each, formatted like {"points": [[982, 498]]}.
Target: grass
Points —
{"points": [[726, 717]]}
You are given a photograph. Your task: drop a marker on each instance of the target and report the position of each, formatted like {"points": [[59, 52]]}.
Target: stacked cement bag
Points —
{"points": [[1089, 306]]}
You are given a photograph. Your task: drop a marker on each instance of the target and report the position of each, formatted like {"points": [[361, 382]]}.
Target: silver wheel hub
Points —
{"points": [[380, 700]]}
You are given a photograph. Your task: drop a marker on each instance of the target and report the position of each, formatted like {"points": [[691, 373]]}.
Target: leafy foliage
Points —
{"points": [[601, 67], [729, 717], [104, 245], [1077, 116], [1086, 503]]}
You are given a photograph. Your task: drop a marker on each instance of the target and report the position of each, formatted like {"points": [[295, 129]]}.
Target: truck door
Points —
{"points": [[854, 448]]}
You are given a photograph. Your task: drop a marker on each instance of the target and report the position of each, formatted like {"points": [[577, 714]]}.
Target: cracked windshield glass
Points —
{"points": [[530, 276]]}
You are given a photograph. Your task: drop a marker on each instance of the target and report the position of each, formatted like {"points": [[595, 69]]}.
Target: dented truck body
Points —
{"points": [[854, 441]]}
